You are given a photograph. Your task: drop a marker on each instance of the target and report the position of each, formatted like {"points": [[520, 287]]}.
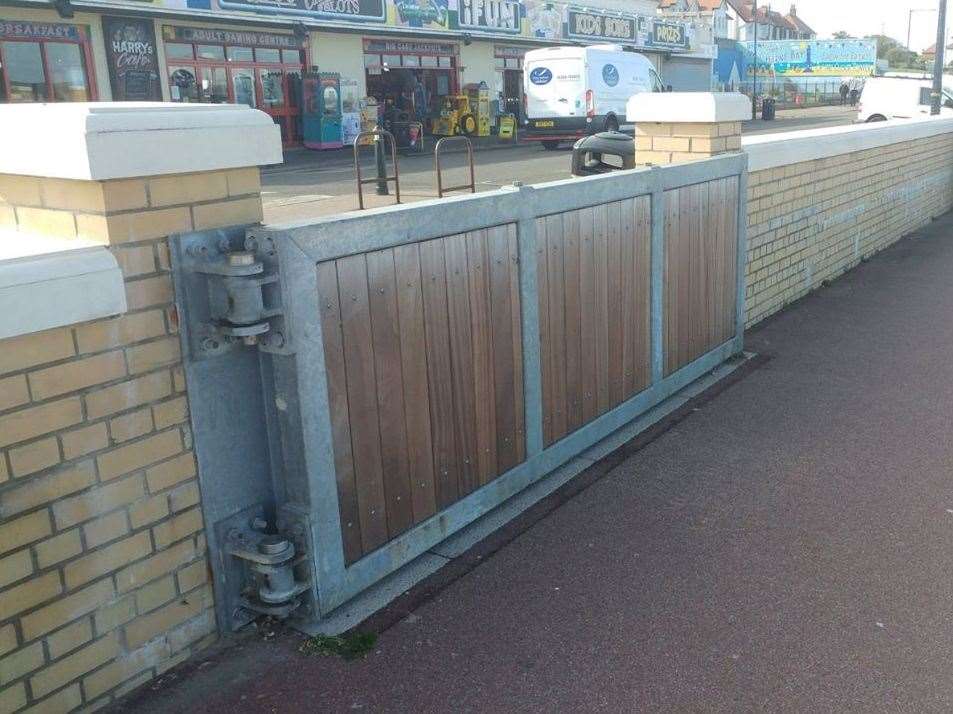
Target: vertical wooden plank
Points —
{"points": [[545, 340], [362, 400], [705, 216], [693, 262], [478, 272], [600, 244], [713, 305], [516, 311], [643, 287], [584, 313], [673, 252], [330, 308], [503, 359], [385, 335], [437, 330], [686, 267], [413, 351], [628, 307], [461, 360], [576, 224], [557, 324], [616, 300]]}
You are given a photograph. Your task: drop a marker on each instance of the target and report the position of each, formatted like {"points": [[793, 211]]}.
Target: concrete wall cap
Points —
{"points": [[109, 140], [688, 107], [50, 282], [767, 151]]}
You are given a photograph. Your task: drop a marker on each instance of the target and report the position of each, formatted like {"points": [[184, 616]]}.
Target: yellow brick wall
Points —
{"points": [[103, 569], [811, 221]]}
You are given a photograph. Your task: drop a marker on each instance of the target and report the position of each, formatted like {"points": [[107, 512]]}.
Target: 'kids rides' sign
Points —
{"points": [[812, 58]]}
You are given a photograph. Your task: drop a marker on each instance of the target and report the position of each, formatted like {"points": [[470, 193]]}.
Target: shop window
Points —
{"points": [[243, 85], [183, 85], [372, 60], [272, 91], [177, 51], [240, 54], [291, 56], [392, 60], [214, 85], [210, 52], [428, 62], [67, 72], [267, 55], [445, 62], [411, 61], [24, 70]]}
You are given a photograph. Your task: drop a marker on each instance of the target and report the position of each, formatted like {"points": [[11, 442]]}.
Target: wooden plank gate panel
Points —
{"points": [[594, 311], [423, 355]]}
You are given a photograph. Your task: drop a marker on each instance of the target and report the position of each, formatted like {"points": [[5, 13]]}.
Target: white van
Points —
{"points": [[885, 98], [573, 91]]}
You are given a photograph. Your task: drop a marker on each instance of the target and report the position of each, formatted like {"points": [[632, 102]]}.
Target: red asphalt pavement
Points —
{"points": [[785, 547]]}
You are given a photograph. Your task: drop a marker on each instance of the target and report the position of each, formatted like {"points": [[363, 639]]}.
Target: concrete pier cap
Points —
{"points": [[673, 127]]}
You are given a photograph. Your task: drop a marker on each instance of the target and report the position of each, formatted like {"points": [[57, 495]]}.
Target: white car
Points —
{"points": [[885, 98]]}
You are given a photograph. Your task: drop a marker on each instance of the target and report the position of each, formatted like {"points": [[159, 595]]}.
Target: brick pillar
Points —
{"points": [[675, 127], [103, 572]]}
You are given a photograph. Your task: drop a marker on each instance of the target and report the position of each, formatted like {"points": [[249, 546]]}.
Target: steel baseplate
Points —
{"points": [[293, 524], [232, 572], [228, 293]]}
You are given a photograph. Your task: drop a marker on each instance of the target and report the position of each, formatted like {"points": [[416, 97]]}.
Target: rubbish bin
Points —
{"points": [[767, 109], [589, 154]]}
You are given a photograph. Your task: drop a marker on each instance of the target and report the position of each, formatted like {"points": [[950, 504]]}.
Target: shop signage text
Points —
{"points": [[230, 37], [669, 35], [506, 51], [358, 10], [381, 46], [590, 25], [40, 30], [490, 15]]}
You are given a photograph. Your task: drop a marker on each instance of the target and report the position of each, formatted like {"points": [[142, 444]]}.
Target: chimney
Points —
{"points": [[793, 10]]}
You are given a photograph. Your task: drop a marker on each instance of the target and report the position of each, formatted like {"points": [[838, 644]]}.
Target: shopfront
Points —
{"points": [[509, 62], [262, 70], [409, 76], [45, 62]]}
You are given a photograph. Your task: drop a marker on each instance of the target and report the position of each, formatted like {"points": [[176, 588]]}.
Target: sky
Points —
{"points": [[869, 17]]}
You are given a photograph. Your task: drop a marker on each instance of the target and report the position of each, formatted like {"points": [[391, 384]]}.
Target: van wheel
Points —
{"points": [[876, 117], [550, 145], [612, 124]]}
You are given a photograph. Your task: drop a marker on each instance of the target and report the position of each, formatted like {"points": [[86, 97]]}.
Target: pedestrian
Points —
{"points": [[844, 89], [855, 85]]}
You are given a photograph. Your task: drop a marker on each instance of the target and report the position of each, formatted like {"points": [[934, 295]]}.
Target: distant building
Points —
{"points": [[772, 25], [929, 53]]}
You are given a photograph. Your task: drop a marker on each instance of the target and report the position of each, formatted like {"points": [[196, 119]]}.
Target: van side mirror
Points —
{"points": [[948, 103]]}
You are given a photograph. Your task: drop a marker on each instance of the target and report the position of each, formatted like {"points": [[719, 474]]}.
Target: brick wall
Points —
{"points": [[809, 222], [103, 570]]}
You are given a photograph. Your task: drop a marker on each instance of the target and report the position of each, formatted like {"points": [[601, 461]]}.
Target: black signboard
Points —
{"points": [[358, 10], [132, 59], [584, 25], [669, 35], [249, 38]]}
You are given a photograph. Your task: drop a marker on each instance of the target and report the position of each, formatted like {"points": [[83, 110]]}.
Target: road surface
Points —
{"points": [[313, 184]]}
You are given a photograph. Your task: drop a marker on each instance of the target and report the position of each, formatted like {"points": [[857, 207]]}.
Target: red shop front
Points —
{"points": [[45, 62], [262, 70]]}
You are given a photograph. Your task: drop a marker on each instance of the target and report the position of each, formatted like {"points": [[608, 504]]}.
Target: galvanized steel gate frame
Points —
{"points": [[261, 418]]}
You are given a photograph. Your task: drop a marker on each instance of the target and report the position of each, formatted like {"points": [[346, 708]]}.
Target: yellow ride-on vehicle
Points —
{"points": [[455, 117]]}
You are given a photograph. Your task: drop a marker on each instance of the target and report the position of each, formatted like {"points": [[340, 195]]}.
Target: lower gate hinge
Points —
{"points": [[272, 586]]}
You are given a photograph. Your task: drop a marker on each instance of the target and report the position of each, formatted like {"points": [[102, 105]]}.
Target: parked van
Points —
{"points": [[885, 98], [574, 91]]}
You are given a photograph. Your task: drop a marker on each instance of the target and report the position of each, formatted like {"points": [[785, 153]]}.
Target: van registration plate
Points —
{"points": [[543, 124]]}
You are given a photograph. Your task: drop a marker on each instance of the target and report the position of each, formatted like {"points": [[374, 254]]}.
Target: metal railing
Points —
{"points": [[379, 136], [441, 190]]}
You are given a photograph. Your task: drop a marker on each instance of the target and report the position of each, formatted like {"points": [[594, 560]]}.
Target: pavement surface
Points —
{"points": [[310, 184], [786, 546]]}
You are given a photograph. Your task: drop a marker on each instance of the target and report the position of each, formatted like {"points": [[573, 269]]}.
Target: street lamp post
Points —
{"points": [[754, 66], [937, 93]]}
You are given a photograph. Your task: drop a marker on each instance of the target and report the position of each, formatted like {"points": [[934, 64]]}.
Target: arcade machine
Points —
{"points": [[321, 116]]}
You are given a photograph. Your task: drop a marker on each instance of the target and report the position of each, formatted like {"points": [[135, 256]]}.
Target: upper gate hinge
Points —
{"points": [[232, 295]]}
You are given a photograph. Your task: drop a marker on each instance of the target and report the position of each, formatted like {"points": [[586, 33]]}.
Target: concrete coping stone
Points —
{"points": [[688, 107], [48, 282], [111, 140], [769, 151]]}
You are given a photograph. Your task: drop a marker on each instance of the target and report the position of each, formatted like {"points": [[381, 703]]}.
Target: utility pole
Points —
{"points": [[754, 66], [937, 94]]}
